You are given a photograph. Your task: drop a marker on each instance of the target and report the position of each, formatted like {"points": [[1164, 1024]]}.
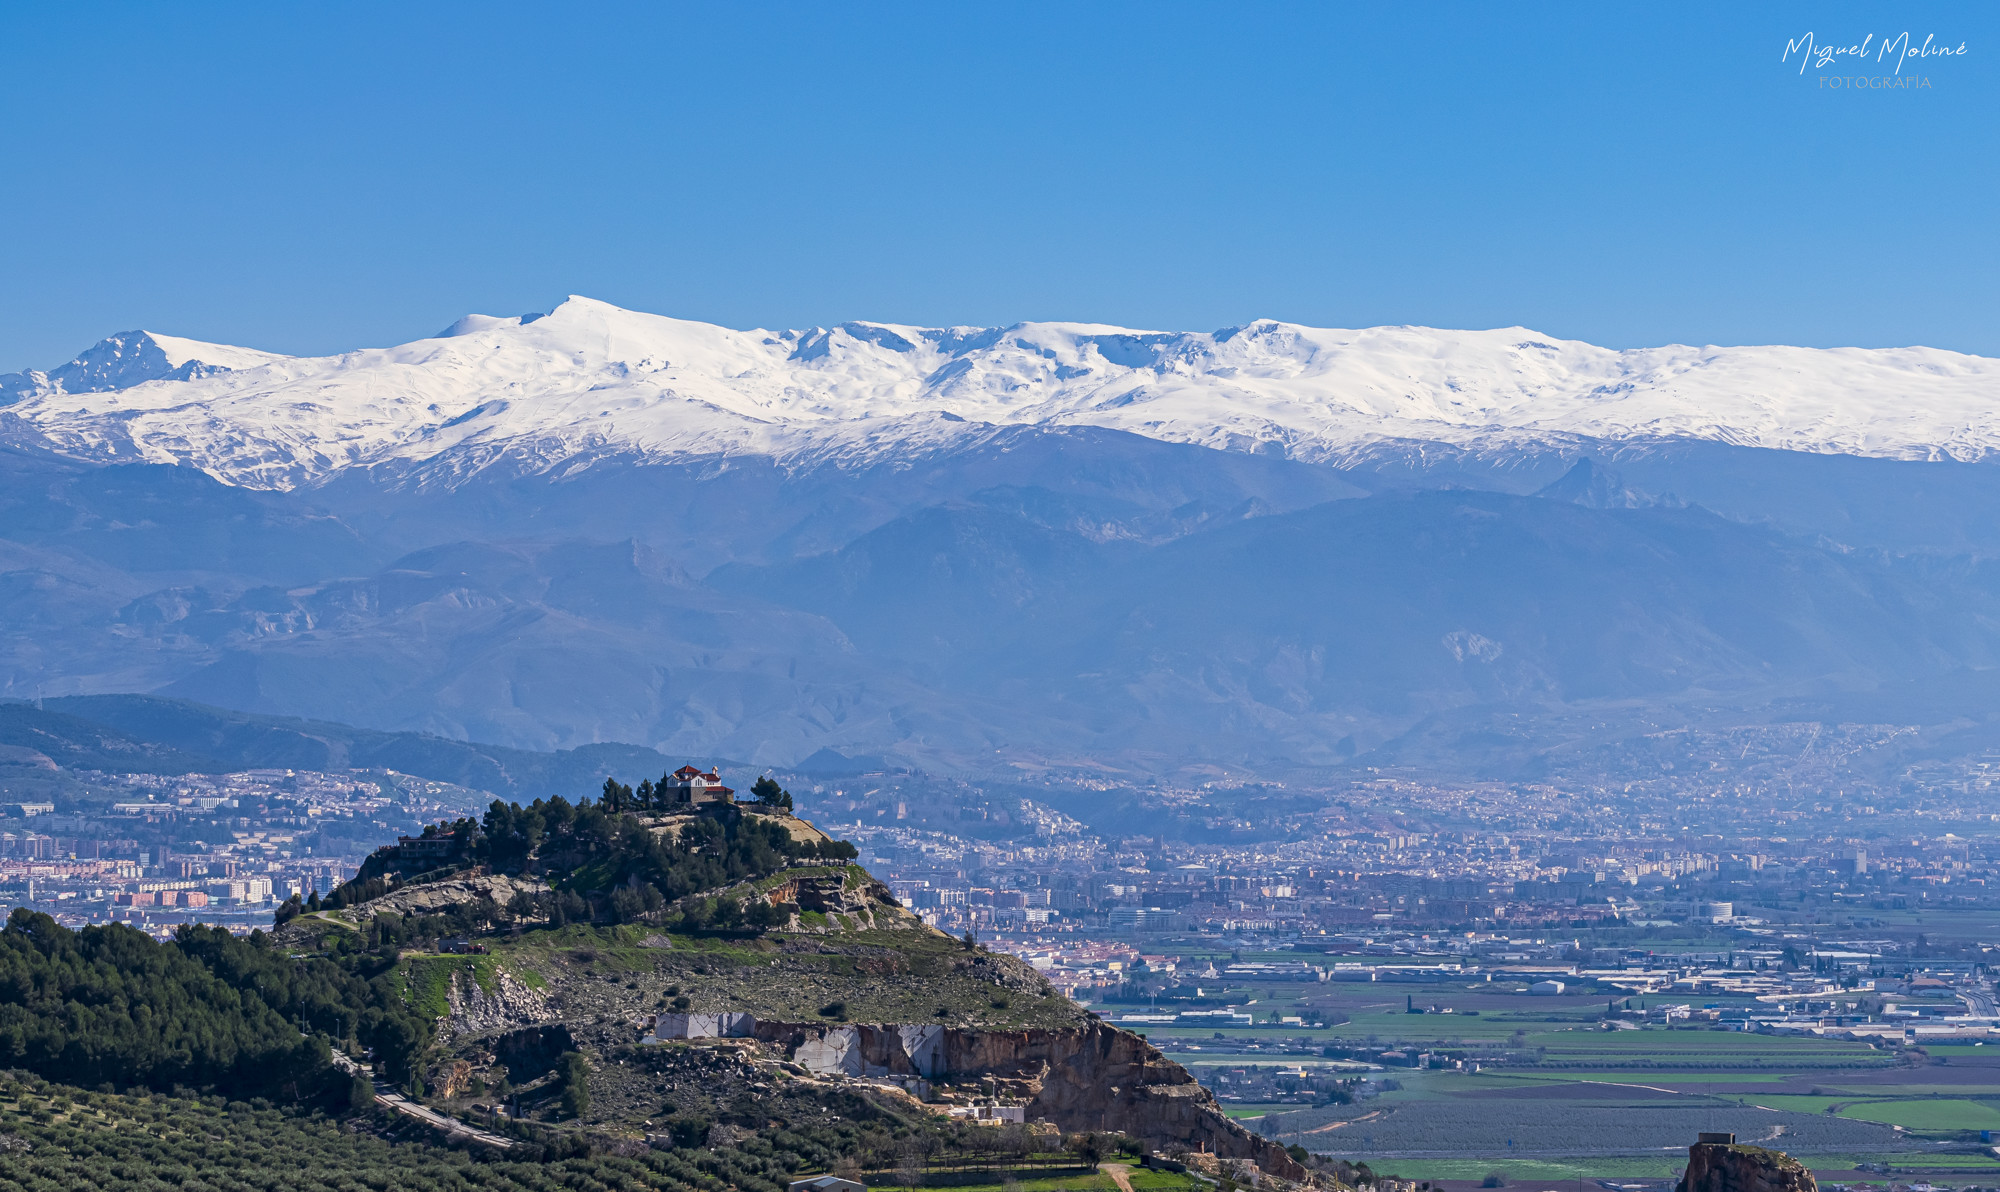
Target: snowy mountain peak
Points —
{"points": [[133, 358], [471, 324], [591, 380]]}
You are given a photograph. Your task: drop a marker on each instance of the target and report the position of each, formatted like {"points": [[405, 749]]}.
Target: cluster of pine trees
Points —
{"points": [[605, 865], [207, 1011]]}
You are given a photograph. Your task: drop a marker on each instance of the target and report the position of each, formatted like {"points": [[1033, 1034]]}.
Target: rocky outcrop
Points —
{"points": [[699, 1026], [865, 905], [1114, 1080], [454, 1080], [431, 897], [509, 1003], [826, 894], [1091, 1078], [1718, 1163]]}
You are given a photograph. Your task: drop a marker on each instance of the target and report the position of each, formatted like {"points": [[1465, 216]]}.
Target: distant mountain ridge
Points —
{"points": [[590, 381], [144, 735], [976, 551], [133, 358]]}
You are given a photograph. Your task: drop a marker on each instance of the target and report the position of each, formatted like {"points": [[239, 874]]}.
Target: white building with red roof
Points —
{"points": [[693, 786]]}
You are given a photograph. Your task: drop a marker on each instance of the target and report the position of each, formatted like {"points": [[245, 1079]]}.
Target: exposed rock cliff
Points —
{"points": [[1724, 1165], [1091, 1078], [423, 898], [508, 1003], [431, 897]]}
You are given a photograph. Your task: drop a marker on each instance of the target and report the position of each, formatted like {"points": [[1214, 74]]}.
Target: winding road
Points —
{"points": [[389, 1099]]}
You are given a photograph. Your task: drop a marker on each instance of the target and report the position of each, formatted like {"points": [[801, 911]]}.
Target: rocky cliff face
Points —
{"points": [[1734, 1167], [1105, 1078], [1091, 1078], [509, 1003]]}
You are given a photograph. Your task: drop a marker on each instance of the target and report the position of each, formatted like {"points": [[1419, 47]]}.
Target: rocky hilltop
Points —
{"points": [[800, 983], [1718, 1163]]}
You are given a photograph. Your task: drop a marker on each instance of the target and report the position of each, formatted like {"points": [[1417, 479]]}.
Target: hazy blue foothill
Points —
{"points": [[138, 734], [1057, 592]]}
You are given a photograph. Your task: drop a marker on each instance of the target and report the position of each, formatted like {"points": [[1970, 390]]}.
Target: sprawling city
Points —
{"points": [[1365, 971]]}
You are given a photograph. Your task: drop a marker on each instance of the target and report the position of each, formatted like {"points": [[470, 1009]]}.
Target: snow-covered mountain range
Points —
{"points": [[133, 358], [1272, 548], [589, 380]]}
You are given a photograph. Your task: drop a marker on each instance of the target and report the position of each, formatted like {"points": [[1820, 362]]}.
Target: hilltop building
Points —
{"points": [[691, 786]]}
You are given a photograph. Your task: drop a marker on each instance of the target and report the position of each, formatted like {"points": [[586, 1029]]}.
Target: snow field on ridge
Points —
{"points": [[591, 380]]}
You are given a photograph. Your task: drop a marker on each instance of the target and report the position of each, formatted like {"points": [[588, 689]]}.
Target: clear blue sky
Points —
{"points": [[308, 178]]}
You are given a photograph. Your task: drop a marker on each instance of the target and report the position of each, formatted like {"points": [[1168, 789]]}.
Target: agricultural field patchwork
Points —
{"points": [[1560, 1095], [1451, 1127], [1927, 1114]]}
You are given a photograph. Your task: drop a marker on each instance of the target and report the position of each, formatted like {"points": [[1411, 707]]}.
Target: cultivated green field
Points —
{"points": [[1794, 1102], [1927, 1115], [1572, 1100], [1978, 1163], [1527, 1172], [1553, 1173], [1580, 1099], [1445, 1127]]}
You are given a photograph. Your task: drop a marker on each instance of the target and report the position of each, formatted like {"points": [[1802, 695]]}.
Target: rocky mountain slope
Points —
{"points": [[843, 993], [133, 358]]}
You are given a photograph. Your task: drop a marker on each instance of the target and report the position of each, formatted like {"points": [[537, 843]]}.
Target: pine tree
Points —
{"points": [[770, 794], [617, 797], [575, 1074]]}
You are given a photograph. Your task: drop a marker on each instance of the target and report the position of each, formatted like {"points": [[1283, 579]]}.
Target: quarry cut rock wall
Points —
{"points": [[700, 1026], [1092, 1078]]}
